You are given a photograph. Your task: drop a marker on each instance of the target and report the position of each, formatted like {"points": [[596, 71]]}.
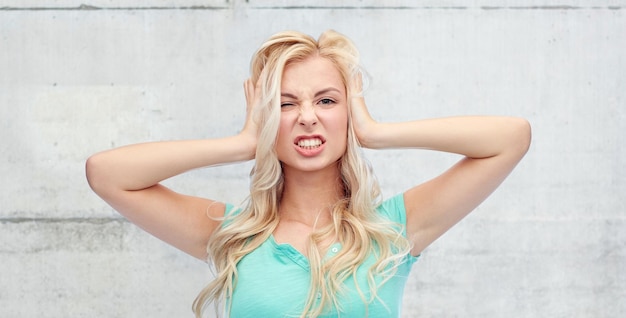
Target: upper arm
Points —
{"points": [[185, 222], [435, 206]]}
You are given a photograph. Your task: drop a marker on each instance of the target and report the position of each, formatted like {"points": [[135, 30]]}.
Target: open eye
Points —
{"points": [[326, 101]]}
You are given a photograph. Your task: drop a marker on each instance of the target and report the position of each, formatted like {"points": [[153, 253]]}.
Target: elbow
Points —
{"points": [[521, 136], [95, 173]]}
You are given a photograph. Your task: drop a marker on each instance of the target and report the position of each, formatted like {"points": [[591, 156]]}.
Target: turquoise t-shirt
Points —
{"points": [[274, 280]]}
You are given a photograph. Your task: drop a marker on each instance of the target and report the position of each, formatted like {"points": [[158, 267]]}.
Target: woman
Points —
{"points": [[313, 239]]}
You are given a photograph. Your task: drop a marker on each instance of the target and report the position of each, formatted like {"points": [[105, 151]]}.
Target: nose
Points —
{"points": [[307, 116]]}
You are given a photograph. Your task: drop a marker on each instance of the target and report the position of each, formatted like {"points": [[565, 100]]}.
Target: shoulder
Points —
{"points": [[393, 209], [230, 212]]}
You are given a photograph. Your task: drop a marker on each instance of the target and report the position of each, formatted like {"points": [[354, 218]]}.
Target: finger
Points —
{"points": [[249, 91], [357, 85]]}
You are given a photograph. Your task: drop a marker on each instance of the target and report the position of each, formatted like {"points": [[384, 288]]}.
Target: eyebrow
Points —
{"points": [[322, 92]]}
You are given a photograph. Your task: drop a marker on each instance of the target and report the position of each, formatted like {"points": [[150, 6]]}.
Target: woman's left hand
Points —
{"points": [[363, 123]]}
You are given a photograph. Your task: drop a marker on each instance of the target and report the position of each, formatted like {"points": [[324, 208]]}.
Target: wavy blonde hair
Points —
{"points": [[355, 223]]}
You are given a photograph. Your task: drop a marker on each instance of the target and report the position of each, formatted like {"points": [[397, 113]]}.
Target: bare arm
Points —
{"points": [[128, 179], [491, 146]]}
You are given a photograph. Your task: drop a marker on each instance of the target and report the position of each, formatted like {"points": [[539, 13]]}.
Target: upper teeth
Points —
{"points": [[309, 142]]}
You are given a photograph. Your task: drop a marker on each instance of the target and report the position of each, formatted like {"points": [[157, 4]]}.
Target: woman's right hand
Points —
{"points": [[251, 127]]}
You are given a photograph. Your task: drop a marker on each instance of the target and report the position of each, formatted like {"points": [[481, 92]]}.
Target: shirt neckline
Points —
{"points": [[296, 256]]}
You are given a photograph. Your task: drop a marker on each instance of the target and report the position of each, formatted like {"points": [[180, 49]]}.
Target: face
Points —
{"points": [[314, 116]]}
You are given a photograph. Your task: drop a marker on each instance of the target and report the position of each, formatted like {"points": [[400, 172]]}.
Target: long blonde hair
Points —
{"points": [[355, 223]]}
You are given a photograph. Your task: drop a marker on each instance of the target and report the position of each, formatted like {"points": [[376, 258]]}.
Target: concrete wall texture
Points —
{"points": [[77, 77]]}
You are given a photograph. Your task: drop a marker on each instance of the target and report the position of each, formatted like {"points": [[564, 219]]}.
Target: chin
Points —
{"points": [[311, 166]]}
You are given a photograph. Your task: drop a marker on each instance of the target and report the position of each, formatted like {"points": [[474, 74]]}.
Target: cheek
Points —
{"points": [[340, 123], [337, 125]]}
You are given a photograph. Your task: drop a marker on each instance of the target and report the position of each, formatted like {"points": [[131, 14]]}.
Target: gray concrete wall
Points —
{"points": [[77, 77]]}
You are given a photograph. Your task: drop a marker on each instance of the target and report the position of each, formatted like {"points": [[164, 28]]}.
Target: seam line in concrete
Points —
{"points": [[437, 7], [156, 8], [84, 7], [61, 220]]}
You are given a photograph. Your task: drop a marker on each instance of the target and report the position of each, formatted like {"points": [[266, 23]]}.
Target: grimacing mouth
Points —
{"points": [[309, 141]]}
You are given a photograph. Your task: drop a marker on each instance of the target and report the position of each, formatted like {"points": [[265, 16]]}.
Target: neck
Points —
{"points": [[308, 197]]}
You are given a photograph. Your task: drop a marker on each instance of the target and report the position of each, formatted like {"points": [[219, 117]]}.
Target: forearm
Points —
{"points": [[474, 137], [140, 166]]}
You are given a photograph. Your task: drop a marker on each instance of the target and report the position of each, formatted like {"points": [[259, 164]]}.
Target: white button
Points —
{"points": [[334, 250], [319, 295]]}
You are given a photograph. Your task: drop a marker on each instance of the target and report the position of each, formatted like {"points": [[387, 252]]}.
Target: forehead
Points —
{"points": [[314, 72]]}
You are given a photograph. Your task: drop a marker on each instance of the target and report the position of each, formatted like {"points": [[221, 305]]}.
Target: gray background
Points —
{"points": [[77, 77]]}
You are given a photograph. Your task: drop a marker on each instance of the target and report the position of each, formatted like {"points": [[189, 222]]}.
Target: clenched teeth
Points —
{"points": [[309, 143]]}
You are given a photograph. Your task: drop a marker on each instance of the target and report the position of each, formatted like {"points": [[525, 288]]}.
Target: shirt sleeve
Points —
{"points": [[229, 209], [394, 210], [229, 213]]}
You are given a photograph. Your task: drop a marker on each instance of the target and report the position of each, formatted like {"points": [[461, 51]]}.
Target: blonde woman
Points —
{"points": [[314, 238]]}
